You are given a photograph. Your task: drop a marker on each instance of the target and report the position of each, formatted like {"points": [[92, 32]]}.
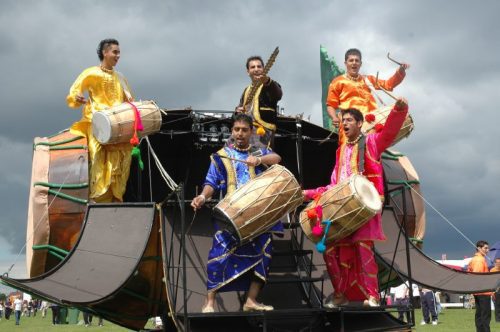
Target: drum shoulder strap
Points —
{"points": [[361, 153], [125, 87]]}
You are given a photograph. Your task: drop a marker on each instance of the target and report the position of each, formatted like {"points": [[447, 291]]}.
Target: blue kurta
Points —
{"points": [[231, 267]]}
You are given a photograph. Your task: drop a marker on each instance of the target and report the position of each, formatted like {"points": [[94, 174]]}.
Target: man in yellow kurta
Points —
{"points": [[109, 164], [353, 90]]}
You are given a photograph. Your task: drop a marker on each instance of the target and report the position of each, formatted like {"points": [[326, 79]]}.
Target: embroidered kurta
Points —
{"points": [[345, 93], [264, 111], [109, 164], [350, 261], [231, 266]]}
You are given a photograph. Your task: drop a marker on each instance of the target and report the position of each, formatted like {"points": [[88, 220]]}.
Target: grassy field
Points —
{"points": [[449, 320]]}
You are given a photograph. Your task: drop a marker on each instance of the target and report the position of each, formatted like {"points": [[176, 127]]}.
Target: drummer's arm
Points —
{"points": [[205, 195], [393, 124], [75, 97], [267, 159]]}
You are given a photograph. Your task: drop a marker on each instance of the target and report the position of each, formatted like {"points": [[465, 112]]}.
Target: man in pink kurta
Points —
{"points": [[350, 261]]}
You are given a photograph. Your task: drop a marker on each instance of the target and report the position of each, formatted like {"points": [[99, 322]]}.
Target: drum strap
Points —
{"points": [[124, 85], [361, 153]]}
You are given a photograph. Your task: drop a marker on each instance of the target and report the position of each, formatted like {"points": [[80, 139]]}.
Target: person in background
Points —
{"points": [[55, 313], [428, 307], [18, 307], [483, 300], [402, 300], [8, 309], [496, 295]]}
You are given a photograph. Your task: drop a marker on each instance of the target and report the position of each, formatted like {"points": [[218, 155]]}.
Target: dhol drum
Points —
{"points": [[349, 205], [256, 206], [381, 115], [116, 124]]}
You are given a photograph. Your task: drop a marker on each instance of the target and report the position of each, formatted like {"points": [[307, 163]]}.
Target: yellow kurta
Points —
{"points": [[109, 164]]}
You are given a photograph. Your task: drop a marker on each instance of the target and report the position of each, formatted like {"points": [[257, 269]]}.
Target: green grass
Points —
{"points": [[45, 324], [453, 320], [449, 320]]}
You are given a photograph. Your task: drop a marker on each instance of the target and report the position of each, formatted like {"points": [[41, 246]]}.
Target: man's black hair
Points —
{"points": [[255, 57], [481, 243], [356, 114], [240, 117], [103, 45], [352, 51]]}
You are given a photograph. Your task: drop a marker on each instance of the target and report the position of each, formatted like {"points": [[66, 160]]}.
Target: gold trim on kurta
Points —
{"points": [[256, 109]]}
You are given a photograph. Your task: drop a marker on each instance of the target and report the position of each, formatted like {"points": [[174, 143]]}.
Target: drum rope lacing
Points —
{"points": [[56, 193]]}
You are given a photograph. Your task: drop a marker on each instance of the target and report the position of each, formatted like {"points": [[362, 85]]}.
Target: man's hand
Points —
{"points": [[198, 202], [80, 99], [253, 161], [335, 121], [404, 67], [239, 109], [401, 104]]}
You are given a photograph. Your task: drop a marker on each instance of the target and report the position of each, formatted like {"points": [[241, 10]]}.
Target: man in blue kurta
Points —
{"points": [[234, 267]]}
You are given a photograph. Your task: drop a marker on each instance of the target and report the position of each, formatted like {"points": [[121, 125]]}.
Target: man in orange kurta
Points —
{"points": [[353, 90], [483, 300]]}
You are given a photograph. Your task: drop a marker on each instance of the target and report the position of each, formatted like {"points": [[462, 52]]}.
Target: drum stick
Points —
{"points": [[234, 159], [396, 62], [388, 93]]}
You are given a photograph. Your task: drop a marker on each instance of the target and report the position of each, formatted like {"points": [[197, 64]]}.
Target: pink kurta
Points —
{"points": [[350, 261]]}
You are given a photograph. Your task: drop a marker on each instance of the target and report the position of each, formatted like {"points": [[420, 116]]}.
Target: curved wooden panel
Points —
{"points": [[58, 199]]}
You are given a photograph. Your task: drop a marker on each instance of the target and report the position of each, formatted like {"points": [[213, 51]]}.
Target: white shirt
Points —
{"points": [[400, 292], [18, 304]]}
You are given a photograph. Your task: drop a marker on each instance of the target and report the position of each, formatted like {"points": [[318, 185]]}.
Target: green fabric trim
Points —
{"points": [[68, 197], [50, 247], [54, 251], [63, 131], [414, 239], [68, 147], [395, 154], [386, 156], [60, 142], [62, 186]]}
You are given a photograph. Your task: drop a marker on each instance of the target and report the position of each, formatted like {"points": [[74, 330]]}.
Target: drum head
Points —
{"points": [[366, 192], [101, 127]]}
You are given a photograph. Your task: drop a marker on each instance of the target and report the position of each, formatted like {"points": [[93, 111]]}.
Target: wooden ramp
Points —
{"points": [[424, 270], [110, 271]]}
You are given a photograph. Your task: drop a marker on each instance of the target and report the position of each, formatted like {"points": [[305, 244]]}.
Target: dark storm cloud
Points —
{"points": [[192, 53]]}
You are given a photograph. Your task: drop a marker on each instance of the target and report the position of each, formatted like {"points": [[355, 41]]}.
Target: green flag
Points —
{"points": [[329, 70]]}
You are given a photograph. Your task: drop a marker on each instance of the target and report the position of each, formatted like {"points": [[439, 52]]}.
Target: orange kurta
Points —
{"points": [[478, 265], [345, 93]]}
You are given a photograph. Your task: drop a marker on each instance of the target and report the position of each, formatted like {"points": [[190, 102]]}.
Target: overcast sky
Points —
{"points": [[192, 53]]}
